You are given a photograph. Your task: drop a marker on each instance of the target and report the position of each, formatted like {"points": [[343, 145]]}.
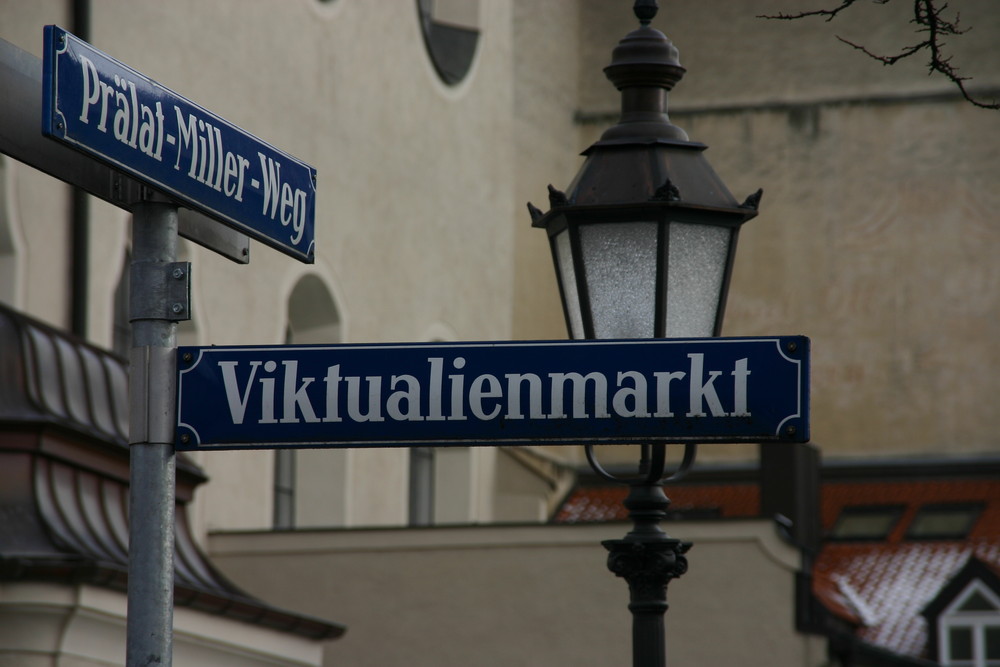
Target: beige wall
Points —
{"points": [[536, 595]]}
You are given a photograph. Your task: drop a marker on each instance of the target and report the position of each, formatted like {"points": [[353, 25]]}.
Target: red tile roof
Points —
{"points": [[604, 503], [883, 586], [878, 586]]}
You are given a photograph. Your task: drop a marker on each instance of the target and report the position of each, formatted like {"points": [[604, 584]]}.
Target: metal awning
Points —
{"points": [[64, 464]]}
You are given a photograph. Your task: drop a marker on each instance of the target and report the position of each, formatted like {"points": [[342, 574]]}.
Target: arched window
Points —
{"points": [[8, 245], [451, 34], [312, 314], [313, 318], [421, 486]]}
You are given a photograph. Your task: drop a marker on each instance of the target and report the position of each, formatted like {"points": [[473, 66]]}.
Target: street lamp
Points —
{"points": [[643, 242]]}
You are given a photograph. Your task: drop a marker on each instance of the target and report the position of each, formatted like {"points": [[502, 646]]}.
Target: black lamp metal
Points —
{"points": [[643, 242], [644, 238]]}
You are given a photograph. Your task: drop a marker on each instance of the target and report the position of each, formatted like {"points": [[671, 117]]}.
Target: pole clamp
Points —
{"points": [[160, 291]]}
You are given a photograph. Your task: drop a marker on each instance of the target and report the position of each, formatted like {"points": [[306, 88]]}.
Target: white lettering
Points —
{"points": [[411, 395], [267, 396], [271, 173], [579, 394], [636, 395], [91, 87], [477, 393], [460, 395], [332, 381], [296, 396], [187, 136], [514, 381], [374, 413], [457, 389], [122, 115], [740, 374], [663, 391], [236, 398], [703, 390], [434, 391]]}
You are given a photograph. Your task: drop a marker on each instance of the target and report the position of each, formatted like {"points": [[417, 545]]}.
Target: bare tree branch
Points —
{"points": [[928, 15], [828, 14]]}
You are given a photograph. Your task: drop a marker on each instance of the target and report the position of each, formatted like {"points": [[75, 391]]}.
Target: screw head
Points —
{"points": [[177, 308], [185, 438], [178, 273], [188, 357]]}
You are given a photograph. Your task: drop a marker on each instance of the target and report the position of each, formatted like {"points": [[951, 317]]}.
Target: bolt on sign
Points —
{"points": [[567, 392], [109, 111]]}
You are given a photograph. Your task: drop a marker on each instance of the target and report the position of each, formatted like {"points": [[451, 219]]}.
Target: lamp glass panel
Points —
{"points": [[695, 271], [620, 269], [567, 275]]}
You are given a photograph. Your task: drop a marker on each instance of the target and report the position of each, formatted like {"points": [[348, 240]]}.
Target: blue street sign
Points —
{"points": [[109, 111], [567, 392]]}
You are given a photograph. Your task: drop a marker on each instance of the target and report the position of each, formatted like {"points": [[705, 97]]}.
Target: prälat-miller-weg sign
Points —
{"points": [[109, 111]]}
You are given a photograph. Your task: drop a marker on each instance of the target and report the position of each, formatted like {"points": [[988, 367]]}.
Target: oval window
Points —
{"points": [[451, 33]]}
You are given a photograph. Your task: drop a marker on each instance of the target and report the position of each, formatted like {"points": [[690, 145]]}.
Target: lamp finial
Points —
{"points": [[645, 10]]}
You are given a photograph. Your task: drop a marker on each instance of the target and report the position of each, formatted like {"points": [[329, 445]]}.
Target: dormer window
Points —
{"points": [[862, 523], [969, 629], [944, 522]]}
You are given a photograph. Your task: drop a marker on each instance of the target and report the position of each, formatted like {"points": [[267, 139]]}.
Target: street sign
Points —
{"points": [[109, 111], [20, 111], [507, 393]]}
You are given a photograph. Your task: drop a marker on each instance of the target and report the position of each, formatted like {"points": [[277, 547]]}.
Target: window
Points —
{"points": [[8, 240], [942, 522], [284, 489], [969, 629], [421, 486], [305, 482], [121, 328], [866, 523], [451, 33]]}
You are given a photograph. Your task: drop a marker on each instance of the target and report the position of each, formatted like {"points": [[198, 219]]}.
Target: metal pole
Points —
{"points": [[152, 407], [647, 558]]}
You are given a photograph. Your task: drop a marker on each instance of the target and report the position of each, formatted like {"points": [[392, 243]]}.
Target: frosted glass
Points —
{"points": [[567, 274], [620, 261], [696, 265]]}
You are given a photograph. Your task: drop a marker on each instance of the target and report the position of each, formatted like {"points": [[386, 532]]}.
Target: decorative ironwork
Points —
{"points": [[557, 197], [666, 192], [753, 201], [647, 558]]}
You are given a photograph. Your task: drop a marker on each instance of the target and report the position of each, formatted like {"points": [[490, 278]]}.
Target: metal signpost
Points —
{"points": [[569, 392], [20, 138], [152, 151]]}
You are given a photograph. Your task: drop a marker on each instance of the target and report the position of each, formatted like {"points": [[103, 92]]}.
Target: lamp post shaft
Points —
{"points": [[647, 559]]}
